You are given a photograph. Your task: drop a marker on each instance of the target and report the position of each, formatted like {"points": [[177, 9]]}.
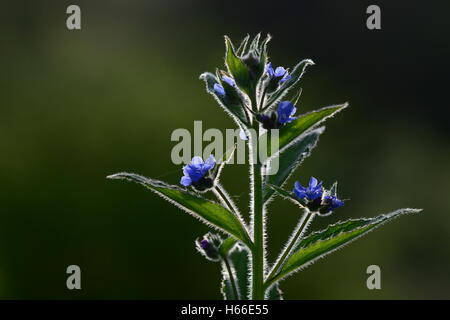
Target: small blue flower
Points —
{"points": [[229, 80], [219, 89], [279, 72], [312, 192], [333, 202], [196, 170], [285, 112], [242, 135]]}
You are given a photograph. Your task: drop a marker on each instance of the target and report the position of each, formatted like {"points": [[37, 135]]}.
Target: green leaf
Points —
{"points": [[237, 68], [233, 108], [293, 130], [290, 159], [319, 244], [240, 51], [226, 246], [206, 210], [239, 259], [296, 75], [254, 44]]}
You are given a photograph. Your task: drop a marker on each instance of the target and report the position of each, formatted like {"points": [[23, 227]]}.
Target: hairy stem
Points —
{"points": [[258, 220], [258, 235], [263, 95], [308, 217], [230, 274]]}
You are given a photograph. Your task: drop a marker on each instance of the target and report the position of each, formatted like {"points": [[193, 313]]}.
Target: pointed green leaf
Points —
{"points": [[237, 68], [205, 210], [290, 159], [240, 51], [239, 260], [296, 75], [293, 130], [320, 244], [255, 42], [231, 106]]}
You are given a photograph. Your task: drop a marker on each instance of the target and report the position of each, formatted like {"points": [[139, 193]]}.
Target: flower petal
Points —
{"points": [[209, 163], [300, 193], [196, 161], [219, 89], [270, 69], [228, 80], [286, 77], [186, 181], [294, 110], [242, 135], [279, 72], [284, 111], [313, 182], [299, 186]]}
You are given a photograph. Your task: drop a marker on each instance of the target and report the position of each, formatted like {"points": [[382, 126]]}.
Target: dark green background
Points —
{"points": [[76, 106]]}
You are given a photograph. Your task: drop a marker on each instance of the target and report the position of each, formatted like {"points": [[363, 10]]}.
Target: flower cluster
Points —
{"points": [[195, 173], [315, 198], [280, 73], [275, 77], [280, 118]]}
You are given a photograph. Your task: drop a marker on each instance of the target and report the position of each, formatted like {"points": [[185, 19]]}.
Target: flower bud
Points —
{"points": [[209, 246]]}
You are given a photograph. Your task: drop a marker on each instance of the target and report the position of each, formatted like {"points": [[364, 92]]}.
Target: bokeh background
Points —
{"points": [[76, 106]]}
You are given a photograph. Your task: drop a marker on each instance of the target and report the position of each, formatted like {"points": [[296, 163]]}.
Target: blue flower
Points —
{"points": [[229, 80], [279, 72], [312, 192], [219, 89], [242, 135], [285, 112], [196, 170], [333, 202]]}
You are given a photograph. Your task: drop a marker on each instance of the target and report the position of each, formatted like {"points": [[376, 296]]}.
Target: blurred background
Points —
{"points": [[76, 106]]}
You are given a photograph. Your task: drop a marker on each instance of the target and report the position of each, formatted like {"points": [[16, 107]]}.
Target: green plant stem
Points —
{"points": [[230, 273], [258, 223], [308, 216], [262, 99], [258, 236]]}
